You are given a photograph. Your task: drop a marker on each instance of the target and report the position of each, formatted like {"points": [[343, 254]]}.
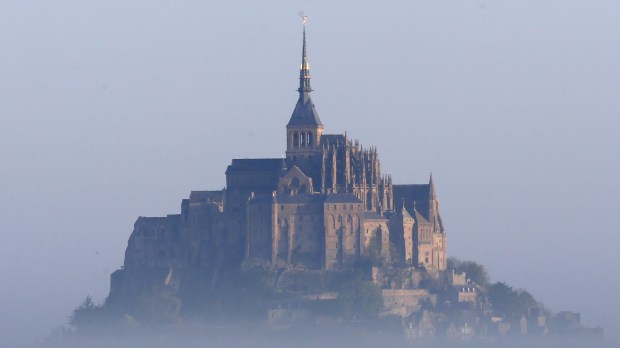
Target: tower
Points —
{"points": [[304, 129]]}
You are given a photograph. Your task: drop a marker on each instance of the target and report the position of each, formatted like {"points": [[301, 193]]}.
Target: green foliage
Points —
{"points": [[509, 302], [360, 299], [158, 306], [435, 285], [86, 315], [374, 253], [476, 272]]}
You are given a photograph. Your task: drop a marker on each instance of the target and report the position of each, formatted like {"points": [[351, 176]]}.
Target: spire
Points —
{"points": [[304, 114], [433, 205], [304, 70], [432, 195]]}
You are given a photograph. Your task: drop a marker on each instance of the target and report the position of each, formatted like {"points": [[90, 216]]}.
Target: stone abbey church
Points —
{"points": [[325, 206]]}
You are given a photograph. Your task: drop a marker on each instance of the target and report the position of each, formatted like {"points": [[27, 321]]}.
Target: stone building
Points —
{"points": [[326, 205]]}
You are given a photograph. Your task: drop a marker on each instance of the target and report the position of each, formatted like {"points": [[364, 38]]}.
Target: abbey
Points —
{"points": [[325, 206]]}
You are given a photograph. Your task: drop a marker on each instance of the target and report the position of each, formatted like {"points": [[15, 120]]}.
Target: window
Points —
{"points": [[295, 140]]}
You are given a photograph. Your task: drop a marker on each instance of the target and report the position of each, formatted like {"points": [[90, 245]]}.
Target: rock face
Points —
{"points": [[326, 206]]}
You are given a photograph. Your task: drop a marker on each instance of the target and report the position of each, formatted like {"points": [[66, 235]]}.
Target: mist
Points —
{"points": [[244, 336], [114, 110]]}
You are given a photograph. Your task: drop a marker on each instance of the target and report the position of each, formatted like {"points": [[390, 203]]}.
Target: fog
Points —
{"points": [[113, 110], [256, 338]]}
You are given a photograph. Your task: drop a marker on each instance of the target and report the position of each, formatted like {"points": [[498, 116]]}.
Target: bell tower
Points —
{"points": [[304, 129]]}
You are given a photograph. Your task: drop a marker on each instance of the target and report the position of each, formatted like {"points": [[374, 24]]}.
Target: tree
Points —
{"points": [[85, 315], [510, 302], [453, 263], [360, 299], [476, 272]]}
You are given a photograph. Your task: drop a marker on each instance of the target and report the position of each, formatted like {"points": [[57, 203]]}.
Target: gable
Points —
{"points": [[295, 182]]}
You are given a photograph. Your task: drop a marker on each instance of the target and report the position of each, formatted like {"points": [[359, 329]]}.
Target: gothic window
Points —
{"points": [[309, 139]]}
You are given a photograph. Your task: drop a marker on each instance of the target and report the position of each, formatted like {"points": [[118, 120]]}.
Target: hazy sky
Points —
{"points": [[112, 110]]}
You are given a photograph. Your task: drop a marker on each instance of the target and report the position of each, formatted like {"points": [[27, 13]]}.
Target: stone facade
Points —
{"points": [[326, 205]]}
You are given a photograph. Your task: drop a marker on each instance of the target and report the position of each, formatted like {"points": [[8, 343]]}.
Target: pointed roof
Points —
{"points": [[304, 114], [404, 212], [416, 192], [419, 218], [432, 195]]}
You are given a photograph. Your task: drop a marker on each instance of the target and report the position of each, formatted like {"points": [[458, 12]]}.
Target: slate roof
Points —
{"points": [[304, 113], [419, 218], [406, 214], [411, 193], [256, 165]]}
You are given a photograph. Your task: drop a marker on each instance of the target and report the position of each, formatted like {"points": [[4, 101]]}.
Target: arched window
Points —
{"points": [[310, 140], [302, 141], [295, 140], [295, 183]]}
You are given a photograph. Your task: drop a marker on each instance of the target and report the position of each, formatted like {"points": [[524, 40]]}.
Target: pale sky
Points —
{"points": [[117, 109]]}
